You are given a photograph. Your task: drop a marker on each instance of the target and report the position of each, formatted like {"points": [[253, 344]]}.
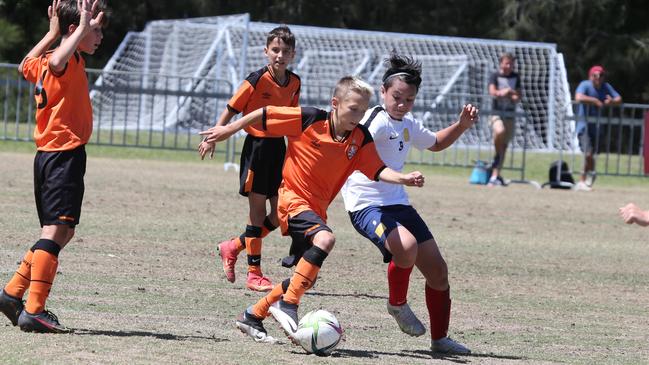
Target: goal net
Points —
{"points": [[185, 71]]}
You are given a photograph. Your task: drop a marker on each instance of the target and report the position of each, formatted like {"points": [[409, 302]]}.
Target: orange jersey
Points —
{"points": [[260, 89], [316, 165], [63, 109]]}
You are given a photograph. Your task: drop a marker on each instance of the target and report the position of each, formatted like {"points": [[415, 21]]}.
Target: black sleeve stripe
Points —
{"points": [[311, 115], [263, 118], [367, 136], [254, 77], [294, 74], [375, 112], [232, 110], [376, 176]]}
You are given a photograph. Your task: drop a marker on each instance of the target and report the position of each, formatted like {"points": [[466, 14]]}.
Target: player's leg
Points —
{"points": [[58, 178], [399, 248], [433, 266], [253, 241], [322, 241]]}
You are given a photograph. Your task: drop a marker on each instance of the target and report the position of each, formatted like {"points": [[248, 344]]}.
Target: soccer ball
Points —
{"points": [[319, 332]]}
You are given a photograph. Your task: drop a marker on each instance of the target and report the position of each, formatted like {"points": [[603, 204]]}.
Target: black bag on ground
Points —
{"points": [[560, 176]]}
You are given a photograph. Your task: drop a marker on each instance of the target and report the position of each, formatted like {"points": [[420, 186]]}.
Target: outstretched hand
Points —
{"points": [[216, 134], [52, 13], [414, 178], [86, 10], [204, 148], [468, 115], [631, 213]]}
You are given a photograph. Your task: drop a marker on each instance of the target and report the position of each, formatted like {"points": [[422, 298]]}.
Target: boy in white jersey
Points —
{"points": [[382, 213]]}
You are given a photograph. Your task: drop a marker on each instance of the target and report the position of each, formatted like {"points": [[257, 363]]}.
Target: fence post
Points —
{"points": [[645, 143]]}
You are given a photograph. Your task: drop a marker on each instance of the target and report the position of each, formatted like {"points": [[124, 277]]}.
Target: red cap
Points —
{"points": [[596, 69]]}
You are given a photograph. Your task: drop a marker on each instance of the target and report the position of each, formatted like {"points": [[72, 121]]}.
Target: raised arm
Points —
{"points": [[450, 134], [50, 37], [70, 44], [220, 133]]}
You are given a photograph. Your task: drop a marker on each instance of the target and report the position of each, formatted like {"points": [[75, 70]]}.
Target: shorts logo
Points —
{"points": [[66, 218], [351, 151], [265, 95], [315, 143]]}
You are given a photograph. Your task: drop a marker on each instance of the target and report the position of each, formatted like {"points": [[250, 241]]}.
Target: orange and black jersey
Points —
{"points": [[261, 89], [316, 164], [63, 109]]}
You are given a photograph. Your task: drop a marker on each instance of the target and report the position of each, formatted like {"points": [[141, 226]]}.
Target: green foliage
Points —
{"points": [[12, 37]]}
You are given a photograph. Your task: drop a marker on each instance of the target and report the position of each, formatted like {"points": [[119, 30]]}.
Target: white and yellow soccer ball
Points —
{"points": [[319, 332]]}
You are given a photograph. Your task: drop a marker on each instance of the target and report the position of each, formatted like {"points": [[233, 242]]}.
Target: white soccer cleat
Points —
{"points": [[582, 186], [448, 345], [286, 315], [406, 319]]}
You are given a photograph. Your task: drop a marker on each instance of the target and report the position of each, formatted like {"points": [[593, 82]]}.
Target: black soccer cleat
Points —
{"points": [[253, 327], [43, 322], [11, 307]]}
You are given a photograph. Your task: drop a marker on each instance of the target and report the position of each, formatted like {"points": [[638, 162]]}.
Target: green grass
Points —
{"points": [[537, 164], [537, 276]]}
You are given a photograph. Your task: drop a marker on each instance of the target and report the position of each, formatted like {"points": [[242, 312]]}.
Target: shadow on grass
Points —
{"points": [[355, 295], [464, 359], [160, 336], [420, 354]]}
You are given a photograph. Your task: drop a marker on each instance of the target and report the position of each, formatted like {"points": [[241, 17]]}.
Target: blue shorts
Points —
{"points": [[375, 223]]}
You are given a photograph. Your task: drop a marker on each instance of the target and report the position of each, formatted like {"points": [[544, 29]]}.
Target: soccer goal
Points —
{"points": [[200, 61]]}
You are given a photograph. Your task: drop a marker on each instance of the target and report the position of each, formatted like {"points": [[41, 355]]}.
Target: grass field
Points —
{"points": [[537, 276]]}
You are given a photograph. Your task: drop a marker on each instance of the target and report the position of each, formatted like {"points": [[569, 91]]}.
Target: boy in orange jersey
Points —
{"points": [[324, 148], [63, 127], [262, 156]]}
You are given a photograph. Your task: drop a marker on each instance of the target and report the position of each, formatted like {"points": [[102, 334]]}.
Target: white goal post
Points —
{"points": [[214, 54]]}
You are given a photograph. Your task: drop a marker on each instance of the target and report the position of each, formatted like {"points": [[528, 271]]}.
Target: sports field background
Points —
{"points": [[537, 276]]}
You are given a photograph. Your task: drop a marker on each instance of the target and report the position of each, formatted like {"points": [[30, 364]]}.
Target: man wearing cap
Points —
{"points": [[592, 95]]}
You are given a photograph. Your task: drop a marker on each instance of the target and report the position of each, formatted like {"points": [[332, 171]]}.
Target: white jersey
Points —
{"points": [[392, 139]]}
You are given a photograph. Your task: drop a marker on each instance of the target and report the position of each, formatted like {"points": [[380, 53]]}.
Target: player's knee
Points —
{"points": [[324, 240]]}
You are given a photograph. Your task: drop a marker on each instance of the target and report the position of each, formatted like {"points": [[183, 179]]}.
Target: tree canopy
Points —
{"points": [[614, 33]]}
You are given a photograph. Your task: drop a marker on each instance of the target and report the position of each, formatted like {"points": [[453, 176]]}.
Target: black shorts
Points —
{"points": [[261, 165], [302, 228], [58, 186]]}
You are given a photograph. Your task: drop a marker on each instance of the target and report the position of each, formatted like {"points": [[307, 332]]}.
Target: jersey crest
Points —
{"points": [[406, 135], [351, 150]]}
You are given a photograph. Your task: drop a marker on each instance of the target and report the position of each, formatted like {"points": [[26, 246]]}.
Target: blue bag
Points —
{"points": [[480, 173]]}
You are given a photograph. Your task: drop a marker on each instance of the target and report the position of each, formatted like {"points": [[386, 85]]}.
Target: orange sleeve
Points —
{"points": [[31, 69], [282, 120], [369, 162], [240, 99]]}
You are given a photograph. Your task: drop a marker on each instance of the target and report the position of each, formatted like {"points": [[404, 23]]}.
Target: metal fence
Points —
{"points": [[164, 111]]}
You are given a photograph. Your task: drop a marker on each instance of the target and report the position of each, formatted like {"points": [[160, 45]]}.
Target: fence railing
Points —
{"points": [[165, 111]]}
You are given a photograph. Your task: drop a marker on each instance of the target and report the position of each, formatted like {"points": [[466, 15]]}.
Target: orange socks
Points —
{"points": [[19, 283], [253, 248], [260, 309], [43, 269], [305, 274]]}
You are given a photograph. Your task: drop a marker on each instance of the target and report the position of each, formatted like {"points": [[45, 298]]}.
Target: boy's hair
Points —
{"points": [[508, 55], [282, 32], [352, 83], [403, 67], [69, 14]]}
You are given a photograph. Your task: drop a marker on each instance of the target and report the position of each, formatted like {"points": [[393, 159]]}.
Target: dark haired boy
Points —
{"points": [[63, 127]]}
